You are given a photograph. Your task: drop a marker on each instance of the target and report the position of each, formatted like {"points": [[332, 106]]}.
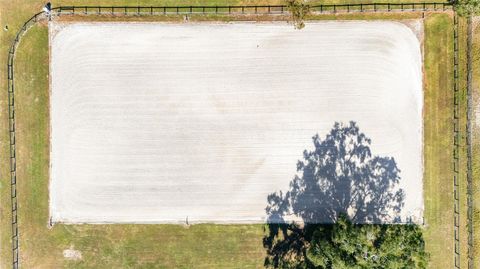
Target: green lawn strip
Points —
{"points": [[438, 141], [14, 15], [212, 17], [462, 79], [476, 142], [367, 16], [32, 117], [169, 246]]}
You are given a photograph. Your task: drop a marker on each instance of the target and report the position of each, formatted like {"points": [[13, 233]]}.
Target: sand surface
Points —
{"points": [[157, 123]]}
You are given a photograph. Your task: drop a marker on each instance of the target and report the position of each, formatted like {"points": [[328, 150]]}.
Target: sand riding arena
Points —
{"points": [[164, 122]]}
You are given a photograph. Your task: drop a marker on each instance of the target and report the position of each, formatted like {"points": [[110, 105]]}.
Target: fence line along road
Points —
{"points": [[257, 9], [168, 10]]}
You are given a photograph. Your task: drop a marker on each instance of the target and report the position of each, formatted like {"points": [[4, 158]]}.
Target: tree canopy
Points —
{"points": [[347, 245], [467, 7], [298, 10], [339, 189]]}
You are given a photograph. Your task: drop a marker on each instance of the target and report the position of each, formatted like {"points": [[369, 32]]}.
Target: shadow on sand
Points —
{"points": [[340, 176]]}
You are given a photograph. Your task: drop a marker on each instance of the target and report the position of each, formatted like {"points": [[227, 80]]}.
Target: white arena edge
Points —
{"points": [[160, 122]]}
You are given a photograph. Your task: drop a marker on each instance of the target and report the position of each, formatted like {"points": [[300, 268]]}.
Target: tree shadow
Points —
{"points": [[340, 176]]}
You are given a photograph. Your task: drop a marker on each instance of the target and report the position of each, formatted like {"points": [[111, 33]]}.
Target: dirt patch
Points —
{"points": [[72, 254]]}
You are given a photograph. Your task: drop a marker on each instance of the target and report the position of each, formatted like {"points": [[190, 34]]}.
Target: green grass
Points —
{"points": [[199, 246], [463, 149], [438, 140], [476, 141], [438, 144]]}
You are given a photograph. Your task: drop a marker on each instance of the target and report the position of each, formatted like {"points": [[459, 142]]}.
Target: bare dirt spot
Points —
{"points": [[72, 254]]}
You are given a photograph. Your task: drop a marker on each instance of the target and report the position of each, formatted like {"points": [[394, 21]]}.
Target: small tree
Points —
{"points": [[298, 9], [467, 7]]}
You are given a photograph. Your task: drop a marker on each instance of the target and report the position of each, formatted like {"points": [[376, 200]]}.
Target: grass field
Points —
{"points": [[476, 136], [200, 246], [462, 95]]}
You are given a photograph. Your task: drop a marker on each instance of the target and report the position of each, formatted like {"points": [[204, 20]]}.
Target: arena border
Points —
{"points": [[223, 10]]}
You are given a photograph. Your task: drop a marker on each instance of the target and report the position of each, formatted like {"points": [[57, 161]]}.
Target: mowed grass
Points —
{"points": [[438, 141], [199, 246], [462, 94], [476, 139]]}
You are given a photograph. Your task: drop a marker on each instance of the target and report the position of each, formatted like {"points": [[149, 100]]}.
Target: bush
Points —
{"points": [[299, 10], [467, 7]]}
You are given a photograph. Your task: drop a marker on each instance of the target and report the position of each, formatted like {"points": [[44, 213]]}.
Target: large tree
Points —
{"points": [[347, 245], [340, 182]]}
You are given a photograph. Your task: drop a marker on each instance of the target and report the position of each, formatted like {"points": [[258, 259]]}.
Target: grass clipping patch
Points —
{"points": [[298, 10]]}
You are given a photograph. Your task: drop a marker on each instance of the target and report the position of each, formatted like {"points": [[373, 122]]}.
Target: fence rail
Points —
{"points": [[456, 147], [256, 9], [11, 127], [381, 7]]}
